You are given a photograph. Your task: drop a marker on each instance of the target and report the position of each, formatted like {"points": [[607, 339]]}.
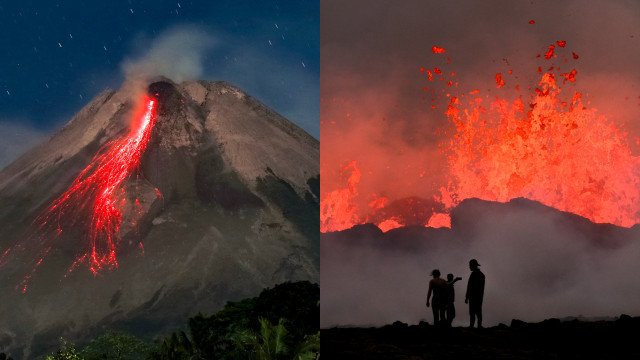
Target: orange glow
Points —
{"points": [[555, 150], [337, 208], [439, 220], [390, 224]]}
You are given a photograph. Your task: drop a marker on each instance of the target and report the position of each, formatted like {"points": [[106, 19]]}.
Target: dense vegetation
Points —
{"points": [[281, 323]]}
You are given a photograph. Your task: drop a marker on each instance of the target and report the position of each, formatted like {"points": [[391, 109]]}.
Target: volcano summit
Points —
{"points": [[203, 196]]}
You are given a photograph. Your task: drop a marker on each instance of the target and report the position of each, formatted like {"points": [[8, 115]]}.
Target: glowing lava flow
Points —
{"points": [[96, 196]]}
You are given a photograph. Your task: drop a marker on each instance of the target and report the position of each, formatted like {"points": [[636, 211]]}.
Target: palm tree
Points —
{"points": [[270, 343], [309, 349]]}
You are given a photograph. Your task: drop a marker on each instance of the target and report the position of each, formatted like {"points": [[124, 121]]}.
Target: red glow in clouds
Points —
{"points": [[95, 198], [547, 146]]}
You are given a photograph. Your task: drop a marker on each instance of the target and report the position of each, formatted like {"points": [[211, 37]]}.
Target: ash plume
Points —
{"points": [[177, 53]]}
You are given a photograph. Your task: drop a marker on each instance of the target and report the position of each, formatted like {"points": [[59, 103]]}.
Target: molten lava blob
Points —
{"points": [[438, 50], [96, 197]]}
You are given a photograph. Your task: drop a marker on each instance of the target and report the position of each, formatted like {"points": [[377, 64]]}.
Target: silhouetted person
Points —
{"points": [[475, 293], [450, 307], [438, 287]]}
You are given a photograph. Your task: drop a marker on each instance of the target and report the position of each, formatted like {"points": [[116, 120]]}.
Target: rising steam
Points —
{"points": [[178, 54]]}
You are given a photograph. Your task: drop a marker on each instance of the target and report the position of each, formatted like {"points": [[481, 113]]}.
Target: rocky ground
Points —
{"points": [[549, 339]]}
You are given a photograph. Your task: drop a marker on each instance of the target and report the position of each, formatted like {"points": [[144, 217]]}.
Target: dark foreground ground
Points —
{"points": [[550, 339]]}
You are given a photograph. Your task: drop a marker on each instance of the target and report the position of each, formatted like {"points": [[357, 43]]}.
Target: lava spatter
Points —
{"points": [[546, 145]]}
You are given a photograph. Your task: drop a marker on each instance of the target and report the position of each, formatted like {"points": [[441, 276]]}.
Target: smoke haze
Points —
{"points": [[538, 262], [178, 54]]}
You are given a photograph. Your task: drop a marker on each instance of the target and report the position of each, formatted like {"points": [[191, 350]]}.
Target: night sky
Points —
{"points": [[57, 55]]}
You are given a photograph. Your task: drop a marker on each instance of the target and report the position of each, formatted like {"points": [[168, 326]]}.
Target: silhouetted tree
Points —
{"points": [[309, 349], [267, 344], [297, 302], [241, 329], [270, 343], [67, 351], [176, 347], [115, 346], [211, 335]]}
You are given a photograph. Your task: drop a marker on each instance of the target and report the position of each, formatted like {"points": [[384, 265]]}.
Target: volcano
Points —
{"points": [[218, 200]]}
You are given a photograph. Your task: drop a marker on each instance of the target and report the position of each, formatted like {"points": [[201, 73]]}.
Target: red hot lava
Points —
{"points": [[547, 146], [96, 197]]}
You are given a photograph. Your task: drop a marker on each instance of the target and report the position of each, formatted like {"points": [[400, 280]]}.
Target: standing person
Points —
{"points": [[475, 293], [451, 297], [438, 287]]}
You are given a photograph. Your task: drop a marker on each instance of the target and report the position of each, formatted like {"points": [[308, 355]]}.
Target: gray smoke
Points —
{"points": [[178, 54], [538, 264]]}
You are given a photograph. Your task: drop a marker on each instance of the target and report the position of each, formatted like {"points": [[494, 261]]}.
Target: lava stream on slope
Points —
{"points": [[94, 201]]}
